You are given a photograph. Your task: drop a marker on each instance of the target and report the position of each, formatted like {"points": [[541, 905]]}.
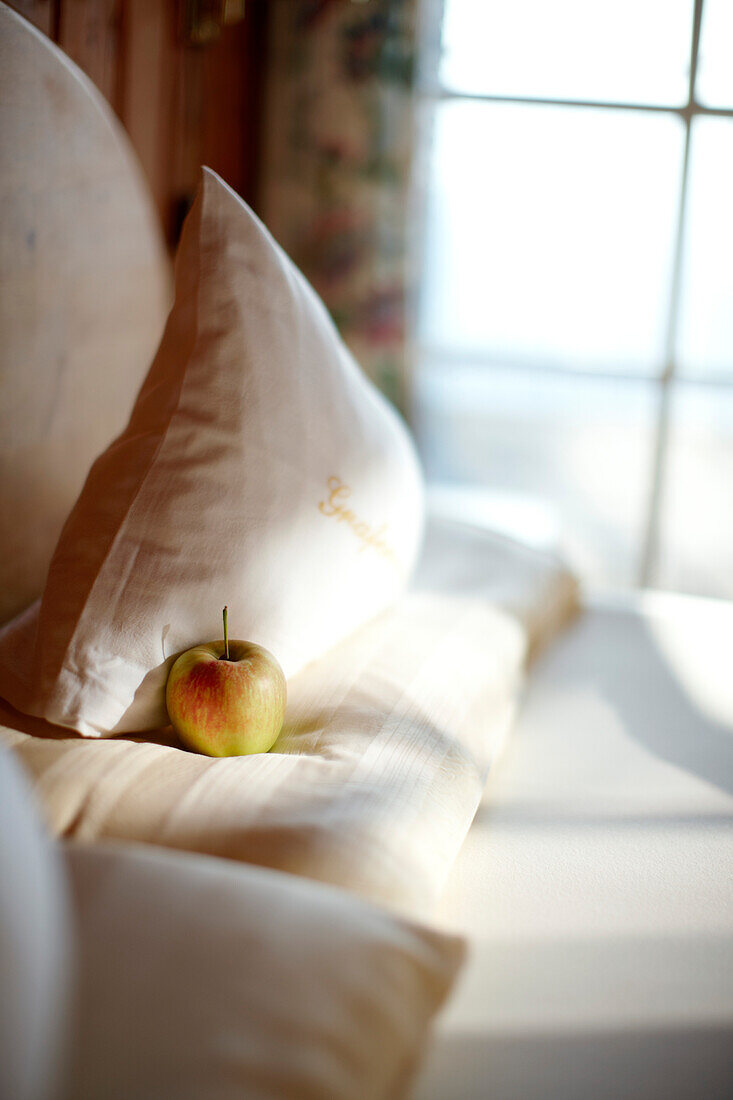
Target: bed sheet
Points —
{"points": [[596, 883]]}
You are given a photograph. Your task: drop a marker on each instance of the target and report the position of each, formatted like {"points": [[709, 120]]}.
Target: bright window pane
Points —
{"points": [[581, 445], [625, 51], [550, 234], [697, 516], [714, 84], [706, 319]]}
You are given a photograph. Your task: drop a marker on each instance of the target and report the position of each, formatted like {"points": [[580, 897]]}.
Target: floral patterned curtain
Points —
{"points": [[338, 181]]}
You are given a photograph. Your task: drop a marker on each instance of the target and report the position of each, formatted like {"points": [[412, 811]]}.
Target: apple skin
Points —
{"points": [[227, 707]]}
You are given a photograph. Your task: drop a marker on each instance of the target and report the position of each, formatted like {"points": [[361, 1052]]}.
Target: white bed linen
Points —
{"points": [[596, 883], [387, 742], [202, 980]]}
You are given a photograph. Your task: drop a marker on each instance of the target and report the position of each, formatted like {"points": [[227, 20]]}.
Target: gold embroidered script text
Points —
{"points": [[370, 537]]}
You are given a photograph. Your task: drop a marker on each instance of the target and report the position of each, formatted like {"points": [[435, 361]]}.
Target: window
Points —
{"points": [[575, 329]]}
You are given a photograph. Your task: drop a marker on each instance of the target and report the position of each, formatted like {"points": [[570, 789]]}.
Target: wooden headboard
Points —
{"points": [[84, 290]]}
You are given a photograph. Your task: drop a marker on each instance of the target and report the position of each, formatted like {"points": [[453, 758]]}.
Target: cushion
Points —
{"points": [[260, 468], [202, 979], [534, 586], [35, 942], [371, 785], [386, 746], [85, 289]]}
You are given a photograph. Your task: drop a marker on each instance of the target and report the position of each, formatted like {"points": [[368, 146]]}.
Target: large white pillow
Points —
{"points": [[198, 978], [260, 468]]}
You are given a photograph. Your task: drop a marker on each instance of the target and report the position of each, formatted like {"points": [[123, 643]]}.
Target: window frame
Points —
{"points": [[434, 93]]}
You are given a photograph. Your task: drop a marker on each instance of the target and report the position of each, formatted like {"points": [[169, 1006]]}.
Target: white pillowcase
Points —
{"points": [[199, 978], [260, 469]]}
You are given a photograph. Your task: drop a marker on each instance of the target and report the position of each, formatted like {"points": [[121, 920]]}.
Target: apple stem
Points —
{"points": [[225, 613]]}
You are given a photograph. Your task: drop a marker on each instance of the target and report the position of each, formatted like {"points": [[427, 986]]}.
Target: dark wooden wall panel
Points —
{"points": [[148, 92], [40, 13], [88, 32]]}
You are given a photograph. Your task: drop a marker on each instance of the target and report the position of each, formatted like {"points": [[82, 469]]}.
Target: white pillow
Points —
{"points": [[260, 469], [35, 945], [199, 978]]}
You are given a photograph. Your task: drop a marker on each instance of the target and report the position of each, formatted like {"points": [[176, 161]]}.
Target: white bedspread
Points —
{"points": [[596, 883], [385, 750]]}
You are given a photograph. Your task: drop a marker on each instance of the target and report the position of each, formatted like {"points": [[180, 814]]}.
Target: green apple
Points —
{"points": [[227, 698]]}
